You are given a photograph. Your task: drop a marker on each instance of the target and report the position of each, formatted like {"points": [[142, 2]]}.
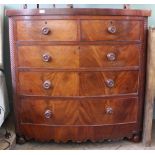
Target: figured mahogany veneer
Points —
{"points": [[79, 56], [97, 30], [78, 74], [79, 112], [78, 83], [33, 30], [60, 56]]}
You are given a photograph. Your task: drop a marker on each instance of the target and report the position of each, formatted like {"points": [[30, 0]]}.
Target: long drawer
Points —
{"points": [[79, 112], [78, 83], [110, 30], [79, 56]]}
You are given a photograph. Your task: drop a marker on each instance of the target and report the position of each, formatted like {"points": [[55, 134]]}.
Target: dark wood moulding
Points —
{"points": [[79, 11]]}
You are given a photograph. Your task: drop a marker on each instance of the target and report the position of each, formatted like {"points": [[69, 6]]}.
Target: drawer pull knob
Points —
{"points": [[110, 83], [111, 56], [45, 30], [46, 57], [109, 110], [48, 114], [112, 29], [47, 84]]}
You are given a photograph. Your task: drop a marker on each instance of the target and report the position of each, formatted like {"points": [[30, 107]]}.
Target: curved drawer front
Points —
{"points": [[79, 112], [109, 30], [78, 83], [47, 30], [79, 56]]}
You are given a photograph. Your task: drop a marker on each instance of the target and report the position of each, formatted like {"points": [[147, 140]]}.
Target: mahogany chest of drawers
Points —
{"points": [[78, 74]]}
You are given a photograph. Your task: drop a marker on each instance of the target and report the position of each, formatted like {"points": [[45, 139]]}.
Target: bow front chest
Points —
{"points": [[78, 74]]}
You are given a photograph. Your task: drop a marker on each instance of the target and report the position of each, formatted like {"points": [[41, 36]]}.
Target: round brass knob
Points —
{"points": [[46, 57], [110, 83], [47, 84], [45, 30], [111, 56], [112, 29], [109, 110], [48, 114]]}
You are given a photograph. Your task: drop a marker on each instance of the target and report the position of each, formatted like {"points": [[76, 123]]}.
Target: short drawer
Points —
{"points": [[49, 83], [79, 56], [47, 30], [109, 56], [79, 112], [109, 30], [78, 83], [48, 56]]}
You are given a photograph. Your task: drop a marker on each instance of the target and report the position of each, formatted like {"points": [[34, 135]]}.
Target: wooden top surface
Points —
{"points": [[78, 11]]}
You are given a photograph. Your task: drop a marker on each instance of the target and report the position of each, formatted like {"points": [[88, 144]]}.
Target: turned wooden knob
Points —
{"points": [[110, 83], [48, 114], [111, 56], [47, 84], [109, 110], [46, 57], [45, 30], [112, 29]]}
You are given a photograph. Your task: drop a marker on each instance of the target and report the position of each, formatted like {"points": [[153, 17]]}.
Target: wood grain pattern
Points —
{"points": [[13, 61], [97, 30], [80, 11], [150, 89], [142, 74], [61, 56], [63, 83], [78, 84], [95, 83], [32, 30], [79, 56], [79, 112], [77, 133], [84, 67], [78, 17], [96, 56]]}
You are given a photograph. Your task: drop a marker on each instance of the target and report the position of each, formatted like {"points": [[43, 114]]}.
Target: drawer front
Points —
{"points": [[108, 83], [79, 56], [48, 56], [47, 30], [110, 56], [79, 112], [49, 83], [108, 30], [78, 83]]}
